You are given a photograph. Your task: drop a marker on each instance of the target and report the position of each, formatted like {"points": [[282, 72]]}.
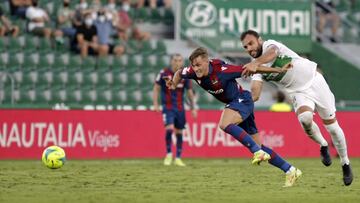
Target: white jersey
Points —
{"points": [[298, 78]]}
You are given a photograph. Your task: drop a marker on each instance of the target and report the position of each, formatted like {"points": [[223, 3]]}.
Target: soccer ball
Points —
{"points": [[53, 157]]}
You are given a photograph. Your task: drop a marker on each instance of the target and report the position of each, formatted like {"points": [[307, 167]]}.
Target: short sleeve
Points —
{"points": [[159, 77]]}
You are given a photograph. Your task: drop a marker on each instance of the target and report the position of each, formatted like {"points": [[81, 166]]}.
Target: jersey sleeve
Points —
{"points": [[268, 44], [231, 71], [159, 78], [187, 73]]}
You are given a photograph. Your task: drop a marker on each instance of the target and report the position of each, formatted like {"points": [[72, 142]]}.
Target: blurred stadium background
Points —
{"points": [[99, 106]]}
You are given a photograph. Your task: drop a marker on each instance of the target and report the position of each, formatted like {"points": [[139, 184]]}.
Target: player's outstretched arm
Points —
{"points": [[264, 69], [268, 56]]}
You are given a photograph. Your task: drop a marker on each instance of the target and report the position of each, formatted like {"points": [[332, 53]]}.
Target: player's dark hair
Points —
{"points": [[249, 32], [201, 51]]}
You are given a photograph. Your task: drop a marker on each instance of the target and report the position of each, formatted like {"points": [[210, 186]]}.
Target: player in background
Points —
{"points": [[173, 111], [307, 88], [237, 119]]}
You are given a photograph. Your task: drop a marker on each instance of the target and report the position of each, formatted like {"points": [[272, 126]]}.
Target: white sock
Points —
{"points": [[338, 138], [311, 128], [292, 168], [315, 134]]}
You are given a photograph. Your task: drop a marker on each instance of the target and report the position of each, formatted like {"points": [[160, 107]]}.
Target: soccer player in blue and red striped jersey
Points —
{"points": [[237, 119], [173, 111]]}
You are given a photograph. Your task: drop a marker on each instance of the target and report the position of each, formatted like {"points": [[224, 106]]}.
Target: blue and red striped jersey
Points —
{"points": [[172, 99], [220, 82]]}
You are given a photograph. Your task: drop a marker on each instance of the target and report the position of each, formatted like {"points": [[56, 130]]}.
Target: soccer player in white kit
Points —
{"points": [[307, 88]]}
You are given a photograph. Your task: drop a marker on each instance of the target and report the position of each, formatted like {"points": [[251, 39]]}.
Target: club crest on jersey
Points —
{"points": [[223, 68]]}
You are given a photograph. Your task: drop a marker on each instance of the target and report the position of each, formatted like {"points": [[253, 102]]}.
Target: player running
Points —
{"points": [[307, 88], [173, 107], [237, 119]]}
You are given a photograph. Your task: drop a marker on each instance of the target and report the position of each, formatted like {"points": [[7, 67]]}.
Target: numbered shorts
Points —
{"points": [[174, 117], [245, 106], [318, 97]]}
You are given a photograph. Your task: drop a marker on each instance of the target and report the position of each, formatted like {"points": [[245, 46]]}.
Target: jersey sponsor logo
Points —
{"points": [[201, 13], [240, 100], [223, 68], [214, 81], [219, 91]]}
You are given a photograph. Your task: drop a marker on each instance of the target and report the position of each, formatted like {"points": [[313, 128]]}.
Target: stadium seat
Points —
{"points": [[59, 63], [59, 94], [105, 77], [88, 63], [74, 94], [44, 46], [2, 45], [102, 63], [147, 98], [120, 77], [91, 77], [89, 94], [31, 44], [14, 45], [74, 62], [168, 17], [27, 95], [44, 95], [30, 77], [46, 76], [161, 47], [104, 95], [29, 62], [119, 95], [118, 62]]}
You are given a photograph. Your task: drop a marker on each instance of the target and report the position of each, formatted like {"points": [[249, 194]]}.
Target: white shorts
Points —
{"points": [[318, 97]]}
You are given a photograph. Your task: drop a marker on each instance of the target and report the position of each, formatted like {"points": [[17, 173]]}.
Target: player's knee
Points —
{"points": [[223, 125], [306, 119]]}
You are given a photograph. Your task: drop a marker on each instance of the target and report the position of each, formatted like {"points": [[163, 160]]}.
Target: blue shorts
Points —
{"points": [[245, 106], [174, 117]]}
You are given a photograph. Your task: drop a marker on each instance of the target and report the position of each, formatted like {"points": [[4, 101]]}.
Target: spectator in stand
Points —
{"points": [[154, 3], [96, 5], [37, 18], [127, 27], [80, 10], [86, 40], [6, 28], [19, 7], [326, 12], [64, 19], [105, 27]]}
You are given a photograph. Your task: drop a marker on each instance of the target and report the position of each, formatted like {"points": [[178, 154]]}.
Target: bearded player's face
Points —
{"points": [[252, 45]]}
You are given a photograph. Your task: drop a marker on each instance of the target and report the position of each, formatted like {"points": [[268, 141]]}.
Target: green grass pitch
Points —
{"points": [[147, 180]]}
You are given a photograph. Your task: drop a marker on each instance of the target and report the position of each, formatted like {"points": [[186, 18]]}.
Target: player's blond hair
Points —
{"points": [[201, 51]]}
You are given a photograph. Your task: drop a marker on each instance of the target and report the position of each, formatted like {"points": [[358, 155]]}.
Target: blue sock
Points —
{"points": [[239, 134], [179, 142], [168, 140], [276, 160]]}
